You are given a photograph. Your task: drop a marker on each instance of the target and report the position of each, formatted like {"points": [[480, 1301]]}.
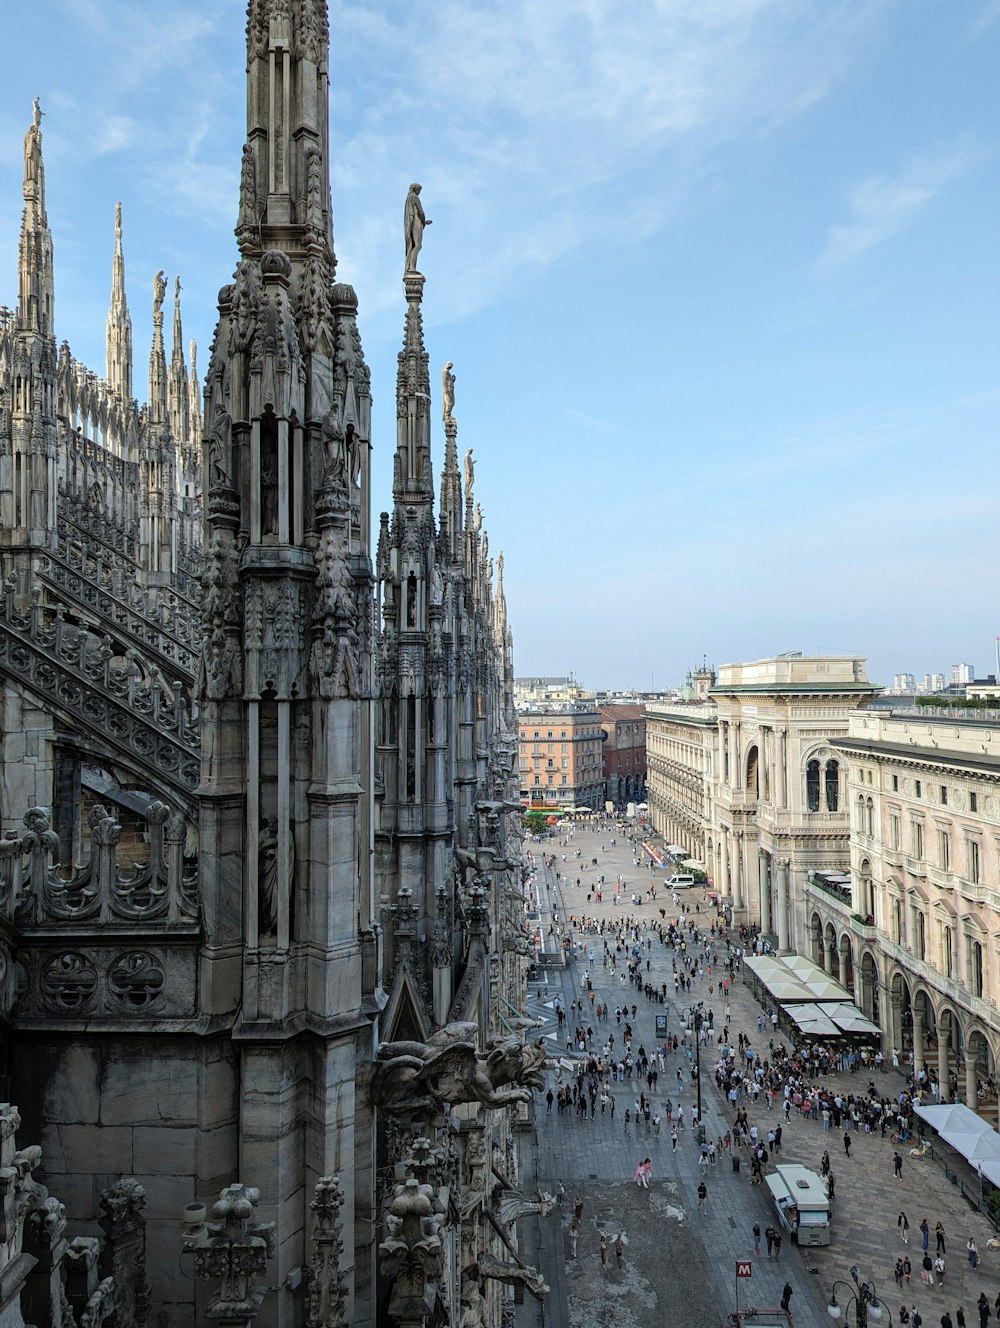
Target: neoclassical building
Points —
{"points": [[919, 937], [681, 747], [261, 929]]}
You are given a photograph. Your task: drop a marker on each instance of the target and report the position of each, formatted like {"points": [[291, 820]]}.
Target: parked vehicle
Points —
{"points": [[802, 1202], [681, 881]]}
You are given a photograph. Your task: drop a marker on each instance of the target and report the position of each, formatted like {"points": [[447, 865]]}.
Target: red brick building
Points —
{"points": [[624, 752]]}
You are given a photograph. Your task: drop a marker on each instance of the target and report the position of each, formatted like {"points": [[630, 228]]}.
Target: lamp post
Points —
{"points": [[696, 1016], [867, 1304]]}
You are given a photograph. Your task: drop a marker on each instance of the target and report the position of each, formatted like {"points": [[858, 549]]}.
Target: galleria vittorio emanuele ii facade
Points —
{"points": [[261, 929]]}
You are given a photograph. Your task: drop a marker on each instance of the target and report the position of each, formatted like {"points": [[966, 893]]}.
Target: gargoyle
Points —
{"points": [[495, 1270], [511, 1206], [416, 1077]]}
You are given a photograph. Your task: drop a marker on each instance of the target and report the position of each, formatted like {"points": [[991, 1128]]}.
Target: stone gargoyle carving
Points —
{"points": [[419, 1078], [510, 1206], [492, 1269]]}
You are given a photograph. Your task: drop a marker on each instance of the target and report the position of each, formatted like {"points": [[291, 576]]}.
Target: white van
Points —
{"points": [[681, 881], [802, 1203]]}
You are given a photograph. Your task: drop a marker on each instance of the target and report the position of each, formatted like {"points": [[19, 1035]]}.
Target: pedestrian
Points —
{"points": [[847, 1144], [960, 1317], [916, 1318], [946, 1320], [673, 1138], [640, 1174], [907, 1269], [628, 1117], [973, 1250], [984, 1310], [927, 1270], [925, 1235], [756, 1238], [939, 1237], [604, 1251], [548, 1102], [620, 1248], [904, 1228], [769, 1234], [574, 1232], [578, 1210], [702, 1196], [786, 1296], [904, 1315], [897, 1165], [939, 1269], [777, 1245]]}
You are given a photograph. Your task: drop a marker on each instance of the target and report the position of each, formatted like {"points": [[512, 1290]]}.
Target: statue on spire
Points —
{"points": [[447, 390], [414, 222], [177, 288], [159, 292], [33, 147], [118, 221]]}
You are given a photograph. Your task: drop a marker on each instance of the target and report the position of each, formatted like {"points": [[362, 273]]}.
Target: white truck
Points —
{"points": [[802, 1202]]}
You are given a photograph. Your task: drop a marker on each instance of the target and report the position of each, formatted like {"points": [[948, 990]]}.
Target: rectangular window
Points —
{"points": [[894, 831], [944, 850], [918, 840], [973, 803], [921, 935], [565, 780], [538, 779], [972, 855], [944, 795], [895, 783], [916, 787]]}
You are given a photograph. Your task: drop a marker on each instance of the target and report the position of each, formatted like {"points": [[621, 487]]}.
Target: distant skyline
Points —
{"points": [[719, 279]]}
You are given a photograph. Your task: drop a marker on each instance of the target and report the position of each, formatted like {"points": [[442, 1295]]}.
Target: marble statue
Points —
{"points": [[220, 449], [447, 390], [414, 222], [419, 1077], [470, 473], [267, 877], [159, 291]]}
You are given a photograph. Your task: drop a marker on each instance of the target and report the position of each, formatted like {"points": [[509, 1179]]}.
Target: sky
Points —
{"points": [[720, 280]]}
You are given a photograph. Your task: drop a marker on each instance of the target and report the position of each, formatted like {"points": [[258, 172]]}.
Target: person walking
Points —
{"points": [[960, 1317], [939, 1237], [702, 1197], [628, 1117], [925, 1235], [946, 1320], [620, 1248], [640, 1174], [927, 1269], [786, 1296], [904, 1228], [984, 1310], [769, 1234], [673, 1138], [897, 1272], [973, 1250], [604, 1251], [777, 1245], [756, 1238], [907, 1269], [897, 1165], [939, 1268], [847, 1144], [548, 1102], [574, 1232]]}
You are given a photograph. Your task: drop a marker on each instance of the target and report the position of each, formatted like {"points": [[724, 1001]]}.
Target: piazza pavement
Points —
{"points": [[679, 1265]]}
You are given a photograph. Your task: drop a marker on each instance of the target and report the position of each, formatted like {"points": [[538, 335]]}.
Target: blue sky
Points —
{"points": [[720, 279]]}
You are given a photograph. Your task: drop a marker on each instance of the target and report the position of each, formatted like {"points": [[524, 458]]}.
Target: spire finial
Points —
{"points": [[118, 224]]}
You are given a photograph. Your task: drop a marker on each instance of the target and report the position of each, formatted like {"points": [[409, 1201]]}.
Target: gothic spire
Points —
{"points": [[157, 356], [36, 295], [412, 476], [178, 392], [194, 390], [119, 331]]}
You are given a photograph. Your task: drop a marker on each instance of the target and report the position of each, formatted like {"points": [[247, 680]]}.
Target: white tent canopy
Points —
{"points": [[968, 1134]]}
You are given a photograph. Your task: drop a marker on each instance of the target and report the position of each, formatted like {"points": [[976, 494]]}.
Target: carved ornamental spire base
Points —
{"points": [[413, 286]]}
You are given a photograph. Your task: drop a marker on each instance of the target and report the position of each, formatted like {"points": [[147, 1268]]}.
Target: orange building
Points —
{"points": [[560, 755]]}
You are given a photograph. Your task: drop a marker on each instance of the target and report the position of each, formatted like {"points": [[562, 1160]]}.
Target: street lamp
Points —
{"points": [[866, 1302], [696, 1016]]}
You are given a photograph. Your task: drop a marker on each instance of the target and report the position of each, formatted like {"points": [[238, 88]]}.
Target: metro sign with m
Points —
{"points": [[744, 1268]]}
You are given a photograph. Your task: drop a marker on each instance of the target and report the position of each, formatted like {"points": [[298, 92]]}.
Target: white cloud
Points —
{"points": [[882, 206]]}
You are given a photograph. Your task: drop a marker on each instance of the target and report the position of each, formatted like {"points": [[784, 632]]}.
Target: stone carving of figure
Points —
{"points": [[118, 221], [414, 222], [447, 390], [313, 182], [470, 473], [177, 288], [33, 145], [248, 189], [220, 449], [335, 464], [268, 493], [437, 586], [267, 877], [159, 292]]}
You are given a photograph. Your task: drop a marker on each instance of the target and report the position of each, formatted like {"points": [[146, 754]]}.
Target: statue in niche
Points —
{"points": [[220, 449], [354, 456], [268, 492], [248, 190], [447, 390], [411, 600], [267, 876], [159, 292], [470, 473], [335, 462], [437, 586], [414, 222]]}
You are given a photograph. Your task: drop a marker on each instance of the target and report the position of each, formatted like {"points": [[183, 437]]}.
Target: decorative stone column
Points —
{"points": [[942, 1061], [779, 764], [895, 1020], [739, 878], [970, 1081], [765, 892], [725, 889], [782, 891], [827, 954], [918, 1040]]}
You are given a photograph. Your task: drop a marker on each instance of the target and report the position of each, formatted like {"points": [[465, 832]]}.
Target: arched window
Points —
{"points": [[869, 818], [753, 780], [832, 780], [812, 786]]}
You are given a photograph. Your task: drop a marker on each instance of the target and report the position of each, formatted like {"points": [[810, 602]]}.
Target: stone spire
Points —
{"points": [[157, 356], [451, 480], [412, 476], [119, 332], [178, 391], [36, 294], [194, 395]]}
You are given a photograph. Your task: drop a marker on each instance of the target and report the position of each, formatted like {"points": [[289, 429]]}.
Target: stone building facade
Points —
{"points": [[916, 935], [681, 746], [261, 928]]}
